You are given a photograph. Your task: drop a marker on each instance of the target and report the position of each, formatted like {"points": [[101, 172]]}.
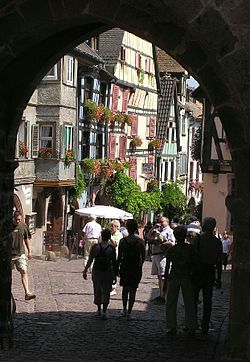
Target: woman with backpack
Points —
{"points": [[131, 256], [103, 272]]}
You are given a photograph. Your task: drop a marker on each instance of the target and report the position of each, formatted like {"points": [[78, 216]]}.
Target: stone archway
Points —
{"points": [[210, 39]]}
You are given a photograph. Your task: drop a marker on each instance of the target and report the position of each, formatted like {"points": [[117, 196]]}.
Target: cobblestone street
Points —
{"points": [[60, 324]]}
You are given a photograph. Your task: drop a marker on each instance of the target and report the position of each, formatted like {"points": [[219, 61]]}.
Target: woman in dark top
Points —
{"points": [[131, 256], [103, 273]]}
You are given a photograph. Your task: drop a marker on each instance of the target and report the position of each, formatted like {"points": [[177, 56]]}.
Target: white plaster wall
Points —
{"points": [[214, 195]]}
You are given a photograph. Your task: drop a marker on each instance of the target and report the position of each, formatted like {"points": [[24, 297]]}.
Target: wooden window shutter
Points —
{"points": [[62, 142], [152, 123], [137, 60], [115, 95], [133, 169], [149, 65], [122, 147], [35, 140], [125, 97], [134, 126], [112, 146]]}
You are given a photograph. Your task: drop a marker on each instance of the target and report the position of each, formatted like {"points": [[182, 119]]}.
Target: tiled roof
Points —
{"points": [[110, 45], [84, 50], [196, 108], [167, 93], [166, 63]]}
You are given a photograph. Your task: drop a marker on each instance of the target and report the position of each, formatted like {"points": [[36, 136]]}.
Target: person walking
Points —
{"points": [[146, 229], [20, 243], [182, 259], [209, 253], [161, 237], [226, 246], [91, 234], [116, 236], [103, 273], [131, 256]]}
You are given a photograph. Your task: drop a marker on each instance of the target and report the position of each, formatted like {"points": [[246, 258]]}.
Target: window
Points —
{"points": [[99, 145], [137, 60], [166, 171], [68, 138], [88, 88], [46, 137], [103, 94], [122, 54], [85, 144], [172, 175], [96, 90], [173, 135], [183, 164], [183, 126], [22, 140], [52, 73], [70, 70], [148, 65]]}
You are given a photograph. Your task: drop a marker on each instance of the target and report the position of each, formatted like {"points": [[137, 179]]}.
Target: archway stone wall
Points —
{"points": [[209, 38]]}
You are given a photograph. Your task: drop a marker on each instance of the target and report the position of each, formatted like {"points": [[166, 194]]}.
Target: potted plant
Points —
{"points": [[90, 109], [136, 142], [91, 166], [127, 118], [23, 149], [119, 118], [107, 168], [156, 143], [107, 116], [45, 152], [69, 156]]}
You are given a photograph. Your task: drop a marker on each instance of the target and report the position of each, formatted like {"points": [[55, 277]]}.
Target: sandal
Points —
{"points": [[30, 296]]}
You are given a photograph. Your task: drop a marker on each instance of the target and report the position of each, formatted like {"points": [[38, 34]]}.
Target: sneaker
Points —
{"points": [[30, 296], [113, 292]]}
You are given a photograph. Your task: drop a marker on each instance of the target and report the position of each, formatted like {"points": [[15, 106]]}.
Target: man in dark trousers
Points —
{"points": [[209, 253]]}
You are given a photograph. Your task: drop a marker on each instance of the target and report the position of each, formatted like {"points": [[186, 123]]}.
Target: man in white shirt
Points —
{"points": [[161, 237], [91, 232]]}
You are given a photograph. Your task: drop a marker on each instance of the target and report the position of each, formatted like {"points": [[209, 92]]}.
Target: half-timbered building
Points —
{"points": [[216, 164], [133, 96]]}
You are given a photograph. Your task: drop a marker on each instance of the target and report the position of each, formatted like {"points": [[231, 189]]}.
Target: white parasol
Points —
{"points": [[103, 211]]}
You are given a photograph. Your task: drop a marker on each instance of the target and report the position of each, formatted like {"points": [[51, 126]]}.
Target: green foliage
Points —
{"points": [[91, 109], [196, 145], [77, 190], [90, 165], [154, 199], [141, 75], [127, 195], [173, 200]]}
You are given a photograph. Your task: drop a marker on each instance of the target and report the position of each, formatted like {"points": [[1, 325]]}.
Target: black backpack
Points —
{"points": [[103, 259]]}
